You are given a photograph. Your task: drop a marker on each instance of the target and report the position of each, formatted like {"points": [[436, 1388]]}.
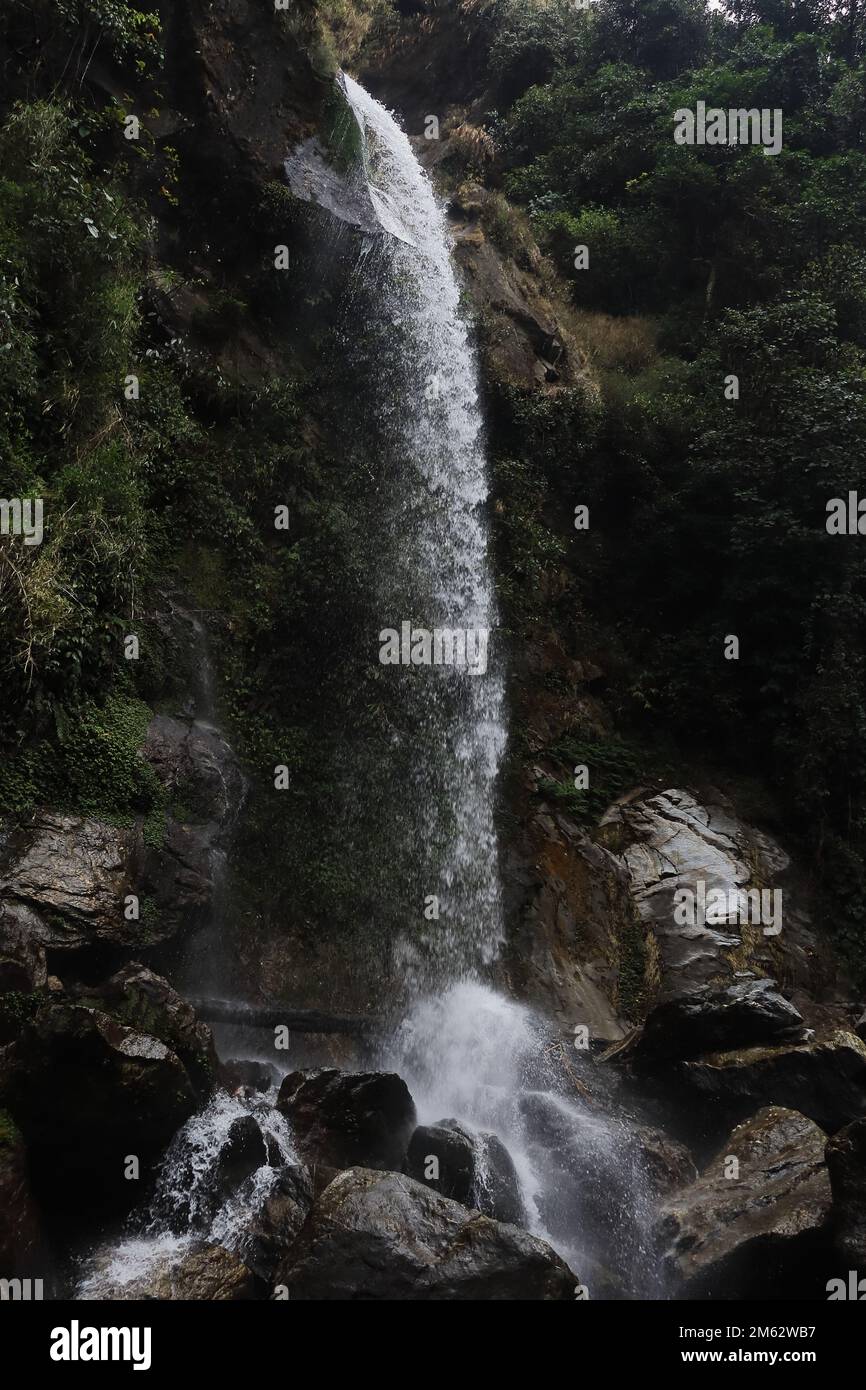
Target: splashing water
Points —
{"points": [[188, 1203]]}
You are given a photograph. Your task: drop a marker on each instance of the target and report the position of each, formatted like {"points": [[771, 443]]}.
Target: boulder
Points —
{"points": [[383, 1236], [761, 1232], [242, 1154], [713, 1018], [846, 1163], [349, 1119], [146, 1002], [273, 1228], [475, 1169], [87, 1092], [824, 1078]]}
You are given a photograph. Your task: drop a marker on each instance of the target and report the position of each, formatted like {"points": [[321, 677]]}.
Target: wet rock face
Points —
{"points": [[761, 1233], [206, 790], [748, 1012], [87, 1092], [63, 882], [272, 1230], [474, 1169], [344, 1119], [198, 769], [572, 901], [846, 1162], [374, 1235]]}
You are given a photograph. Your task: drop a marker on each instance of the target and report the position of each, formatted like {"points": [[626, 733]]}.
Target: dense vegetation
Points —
{"points": [[708, 513]]}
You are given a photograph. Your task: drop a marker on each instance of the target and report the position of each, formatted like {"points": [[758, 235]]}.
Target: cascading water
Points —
{"points": [[429, 412], [465, 1051]]}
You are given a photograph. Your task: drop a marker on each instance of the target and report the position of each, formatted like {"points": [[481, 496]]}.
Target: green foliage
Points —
{"points": [[614, 767], [708, 514], [128, 32], [91, 764]]}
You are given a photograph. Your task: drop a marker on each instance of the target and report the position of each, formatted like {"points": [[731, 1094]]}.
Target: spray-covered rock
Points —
{"points": [[377, 1236]]}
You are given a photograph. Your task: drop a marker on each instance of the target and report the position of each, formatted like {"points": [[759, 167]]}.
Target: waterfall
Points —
{"points": [[439, 575], [465, 1050]]}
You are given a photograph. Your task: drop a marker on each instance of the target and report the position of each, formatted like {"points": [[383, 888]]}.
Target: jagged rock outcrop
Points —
{"points": [[87, 1093], [373, 1235], [63, 881], [146, 1002], [23, 962], [573, 913], [474, 1169], [347, 1119], [756, 1227], [673, 844]]}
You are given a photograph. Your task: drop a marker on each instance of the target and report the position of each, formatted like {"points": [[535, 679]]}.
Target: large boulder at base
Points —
{"points": [[374, 1236], [846, 1163], [715, 1018], [21, 1240], [349, 1119], [86, 1091], [183, 1273], [146, 1002], [762, 1233], [824, 1078], [475, 1169], [271, 1231]]}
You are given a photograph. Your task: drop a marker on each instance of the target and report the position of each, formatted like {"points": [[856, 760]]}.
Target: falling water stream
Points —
{"points": [[465, 1050]]}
